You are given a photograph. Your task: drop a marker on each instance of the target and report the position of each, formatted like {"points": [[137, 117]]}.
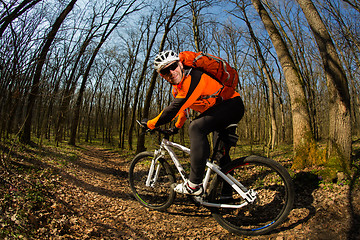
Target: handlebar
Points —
{"points": [[166, 132]]}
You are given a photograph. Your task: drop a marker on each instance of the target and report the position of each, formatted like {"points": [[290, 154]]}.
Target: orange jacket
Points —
{"points": [[192, 92]]}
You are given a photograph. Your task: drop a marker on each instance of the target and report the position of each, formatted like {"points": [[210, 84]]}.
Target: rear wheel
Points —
{"points": [[159, 195], [274, 201]]}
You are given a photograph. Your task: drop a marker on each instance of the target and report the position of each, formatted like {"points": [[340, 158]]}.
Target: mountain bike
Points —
{"points": [[262, 189]]}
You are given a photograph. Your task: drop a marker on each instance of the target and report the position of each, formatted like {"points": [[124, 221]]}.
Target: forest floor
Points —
{"points": [[86, 195]]}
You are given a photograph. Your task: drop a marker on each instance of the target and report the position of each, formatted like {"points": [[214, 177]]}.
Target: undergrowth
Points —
{"points": [[29, 178], [27, 184]]}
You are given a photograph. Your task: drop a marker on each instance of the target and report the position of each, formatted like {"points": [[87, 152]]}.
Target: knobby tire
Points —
{"points": [[160, 195], [274, 201]]}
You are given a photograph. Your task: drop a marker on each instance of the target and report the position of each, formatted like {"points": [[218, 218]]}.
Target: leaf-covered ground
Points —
{"points": [[86, 195]]}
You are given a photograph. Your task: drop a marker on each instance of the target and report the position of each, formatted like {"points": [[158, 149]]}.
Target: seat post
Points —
{"points": [[223, 140]]}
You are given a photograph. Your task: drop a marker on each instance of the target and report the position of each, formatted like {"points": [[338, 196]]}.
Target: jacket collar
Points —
{"points": [[186, 73]]}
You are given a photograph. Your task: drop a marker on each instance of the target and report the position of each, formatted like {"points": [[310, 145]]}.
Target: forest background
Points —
{"points": [[79, 72], [82, 70]]}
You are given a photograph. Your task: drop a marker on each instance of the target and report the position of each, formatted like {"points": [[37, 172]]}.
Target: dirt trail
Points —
{"points": [[95, 202]]}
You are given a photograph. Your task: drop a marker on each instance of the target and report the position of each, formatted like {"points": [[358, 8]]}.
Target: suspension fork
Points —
{"points": [[151, 178]]}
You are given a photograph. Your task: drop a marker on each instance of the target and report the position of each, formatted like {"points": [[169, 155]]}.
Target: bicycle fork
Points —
{"points": [[249, 195], [151, 178], [155, 171]]}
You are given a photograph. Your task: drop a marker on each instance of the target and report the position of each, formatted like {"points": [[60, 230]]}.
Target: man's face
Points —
{"points": [[172, 72]]}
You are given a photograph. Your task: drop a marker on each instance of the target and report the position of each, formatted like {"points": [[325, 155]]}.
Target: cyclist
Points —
{"points": [[196, 90]]}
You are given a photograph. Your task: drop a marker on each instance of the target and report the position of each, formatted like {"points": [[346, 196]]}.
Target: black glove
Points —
{"points": [[172, 131]]}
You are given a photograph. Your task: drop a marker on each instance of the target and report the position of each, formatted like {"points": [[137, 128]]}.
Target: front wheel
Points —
{"points": [[159, 195], [274, 200]]}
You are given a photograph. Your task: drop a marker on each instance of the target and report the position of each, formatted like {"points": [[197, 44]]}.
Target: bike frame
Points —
{"points": [[166, 146]]}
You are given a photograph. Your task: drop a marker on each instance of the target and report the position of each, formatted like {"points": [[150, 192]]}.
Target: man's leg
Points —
{"points": [[214, 119]]}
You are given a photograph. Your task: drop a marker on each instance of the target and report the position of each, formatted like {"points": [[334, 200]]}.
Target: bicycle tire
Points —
{"points": [[275, 196], [161, 195]]}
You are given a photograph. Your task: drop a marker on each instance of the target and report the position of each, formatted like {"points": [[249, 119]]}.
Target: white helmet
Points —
{"points": [[164, 58]]}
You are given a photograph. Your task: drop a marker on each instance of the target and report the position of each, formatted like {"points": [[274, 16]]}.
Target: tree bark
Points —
{"points": [[299, 110], [339, 98], [195, 25]]}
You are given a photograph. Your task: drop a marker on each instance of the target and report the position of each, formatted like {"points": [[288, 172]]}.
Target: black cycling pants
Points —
{"points": [[215, 118]]}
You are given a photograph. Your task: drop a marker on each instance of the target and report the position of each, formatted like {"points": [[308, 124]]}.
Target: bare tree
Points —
{"points": [[133, 51], [355, 4], [150, 43], [195, 9], [268, 75], [300, 114], [10, 16], [71, 81], [109, 28], [300, 49], [26, 133], [168, 26], [339, 97]]}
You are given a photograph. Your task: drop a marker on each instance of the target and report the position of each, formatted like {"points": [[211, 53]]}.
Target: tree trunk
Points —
{"points": [[269, 81], [339, 98], [104, 37], [195, 26], [300, 113], [141, 79], [70, 86], [26, 133], [141, 139], [20, 9]]}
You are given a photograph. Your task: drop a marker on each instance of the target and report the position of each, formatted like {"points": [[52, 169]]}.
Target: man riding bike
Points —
{"points": [[196, 90]]}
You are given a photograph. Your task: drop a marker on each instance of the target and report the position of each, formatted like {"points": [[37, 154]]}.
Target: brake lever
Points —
{"points": [[139, 123]]}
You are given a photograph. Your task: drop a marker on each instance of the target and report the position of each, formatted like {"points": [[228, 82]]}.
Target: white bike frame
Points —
{"points": [[166, 146]]}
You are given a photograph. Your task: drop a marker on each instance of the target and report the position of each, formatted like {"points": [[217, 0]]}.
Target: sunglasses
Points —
{"points": [[172, 67]]}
